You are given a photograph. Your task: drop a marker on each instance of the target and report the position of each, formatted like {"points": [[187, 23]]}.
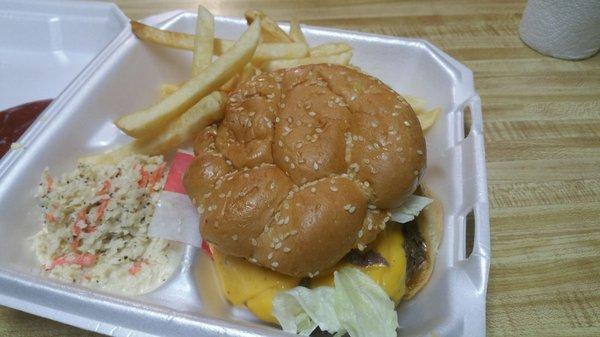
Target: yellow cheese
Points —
{"points": [[392, 279], [261, 305], [242, 280]]}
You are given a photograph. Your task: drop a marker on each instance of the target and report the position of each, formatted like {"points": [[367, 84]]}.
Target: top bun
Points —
{"points": [[304, 167]]}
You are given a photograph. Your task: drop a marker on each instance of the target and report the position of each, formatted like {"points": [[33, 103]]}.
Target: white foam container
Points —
{"points": [[126, 76], [44, 45]]}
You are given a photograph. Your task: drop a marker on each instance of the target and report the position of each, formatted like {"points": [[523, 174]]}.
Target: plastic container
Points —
{"points": [[126, 76], [44, 45]]}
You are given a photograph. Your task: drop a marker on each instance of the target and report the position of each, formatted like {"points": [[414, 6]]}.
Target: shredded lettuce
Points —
{"points": [[301, 310], [356, 305], [362, 307], [410, 209]]}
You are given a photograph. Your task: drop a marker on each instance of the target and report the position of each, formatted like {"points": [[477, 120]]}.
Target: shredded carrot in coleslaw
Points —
{"points": [[105, 188], [84, 260], [101, 209], [143, 182]]}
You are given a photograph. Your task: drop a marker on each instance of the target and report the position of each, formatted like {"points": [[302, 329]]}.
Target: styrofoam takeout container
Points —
{"points": [[44, 45], [126, 77]]}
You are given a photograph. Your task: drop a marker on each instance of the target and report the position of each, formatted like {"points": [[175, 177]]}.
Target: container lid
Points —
{"points": [[45, 45]]}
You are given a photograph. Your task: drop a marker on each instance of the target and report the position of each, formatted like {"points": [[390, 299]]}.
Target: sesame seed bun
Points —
{"points": [[305, 166]]}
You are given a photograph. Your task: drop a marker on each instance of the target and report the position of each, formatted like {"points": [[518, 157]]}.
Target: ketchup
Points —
{"points": [[14, 121]]}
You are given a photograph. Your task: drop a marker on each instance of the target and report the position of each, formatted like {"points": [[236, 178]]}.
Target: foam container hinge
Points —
{"points": [[126, 77]]}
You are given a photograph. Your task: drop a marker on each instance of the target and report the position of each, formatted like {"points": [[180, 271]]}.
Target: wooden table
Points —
{"points": [[542, 130]]}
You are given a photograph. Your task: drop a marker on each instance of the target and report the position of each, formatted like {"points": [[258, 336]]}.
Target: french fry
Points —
{"points": [[343, 58], [418, 104], [428, 118], [231, 84], [174, 39], [264, 51], [204, 41], [271, 32], [222, 45], [145, 123], [162, 37], [330, 49], [167, 89], [274, 51], [296, 34], [207, 111]]}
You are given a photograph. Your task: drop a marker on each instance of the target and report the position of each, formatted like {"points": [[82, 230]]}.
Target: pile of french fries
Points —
{"points": [[185, 109]]}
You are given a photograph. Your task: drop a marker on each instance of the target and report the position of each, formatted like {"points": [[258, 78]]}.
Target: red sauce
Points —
{"points": [[14, 121]]}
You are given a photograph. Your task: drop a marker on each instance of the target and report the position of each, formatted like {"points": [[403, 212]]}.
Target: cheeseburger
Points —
{"points": [[300, 179]]}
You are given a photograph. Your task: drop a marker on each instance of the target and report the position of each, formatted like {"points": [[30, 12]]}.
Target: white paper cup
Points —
{"points": [[566, 29]]}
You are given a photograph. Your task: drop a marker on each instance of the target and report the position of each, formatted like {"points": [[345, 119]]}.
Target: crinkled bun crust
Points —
{"points": [[304, 167]]}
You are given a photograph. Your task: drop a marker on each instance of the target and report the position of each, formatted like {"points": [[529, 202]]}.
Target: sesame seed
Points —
{"points": [[287, 249], [253, 260], [313, 190], [372, 206], [292, 166], [407, 123], [367, 184], [374, 124], [347, 206], [270, 256], [318, 130], [395, 114], [298, 145], [280, 143], [361, 247], [254, 242], [278, 245], [312, 114], [316, 166], [352, 209], [234, 237], [275, 264], [416, 172], [333, 188], [277, 120], [419, 152], [294, 232], [360, 233], [298, 123]]}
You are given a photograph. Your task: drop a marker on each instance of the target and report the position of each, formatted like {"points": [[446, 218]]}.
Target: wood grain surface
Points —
{"points": [[542, 131]]}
